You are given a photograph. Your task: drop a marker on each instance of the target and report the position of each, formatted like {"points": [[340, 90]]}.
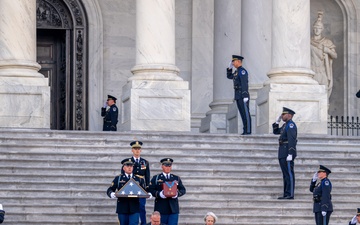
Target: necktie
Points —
{"points": [[137, 161], [167, 176]]}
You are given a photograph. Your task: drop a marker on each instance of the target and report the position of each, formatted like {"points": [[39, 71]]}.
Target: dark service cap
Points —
{"points": [[324, 169], [112, 97], [127, 161], [237, 57], [166, 161], [136, 144], [287, 111]]}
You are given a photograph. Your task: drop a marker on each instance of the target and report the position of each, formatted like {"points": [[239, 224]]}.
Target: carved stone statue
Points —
{"points": [[322, 55]]}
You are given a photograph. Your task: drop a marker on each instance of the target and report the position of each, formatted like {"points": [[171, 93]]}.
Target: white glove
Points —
{"points": [[315, 177], [1, 207], [230, 65], [105, 104], [289, 158], [354, 220], [323, 213], [246, 99], [175, 196], [162, 194], [150, 195], [112, 195], [278, 120]]}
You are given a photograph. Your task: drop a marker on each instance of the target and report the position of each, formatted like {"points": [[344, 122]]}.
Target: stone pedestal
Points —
{"points": [[24, 93], [308, 101], [155, 106]]}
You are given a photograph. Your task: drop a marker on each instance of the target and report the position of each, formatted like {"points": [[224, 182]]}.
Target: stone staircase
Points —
{"points": [[61, 177]]}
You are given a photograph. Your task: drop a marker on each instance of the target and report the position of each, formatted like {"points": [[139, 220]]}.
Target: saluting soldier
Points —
{"points": [[142, 171], [127, 208], [110, 113], [241, 89], [287, 150], [167, 206], [356, 219], [321, 187]]}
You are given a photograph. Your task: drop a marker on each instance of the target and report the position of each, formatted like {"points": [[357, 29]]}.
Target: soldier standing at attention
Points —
{"points": [[287, 150], [241, 88], [322, 196], [142, 171], [167, 206], [356, 218], [110, 114]]}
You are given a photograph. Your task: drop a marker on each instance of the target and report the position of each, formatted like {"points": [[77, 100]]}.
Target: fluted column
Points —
{"points": [[290, 42], [18, 39], [155, 97], [155, 40], [227, 40], [21, 85], [291, 82]]}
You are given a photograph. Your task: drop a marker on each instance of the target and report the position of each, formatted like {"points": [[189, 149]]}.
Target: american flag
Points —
{"points": [[132, 189]]}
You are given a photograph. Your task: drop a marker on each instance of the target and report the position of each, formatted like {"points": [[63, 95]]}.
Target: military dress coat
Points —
{"points": [[287, 139], [125, 205], [321, 195], [240, 80], [141, 170], [167, 205], [110, 117]]}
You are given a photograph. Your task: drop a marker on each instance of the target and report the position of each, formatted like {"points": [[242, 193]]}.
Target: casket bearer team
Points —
{"points": [[127, 208], [167, 206]]}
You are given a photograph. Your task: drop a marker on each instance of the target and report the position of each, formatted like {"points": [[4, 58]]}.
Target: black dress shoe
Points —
{"points": [[285, 197], [245, 133]]}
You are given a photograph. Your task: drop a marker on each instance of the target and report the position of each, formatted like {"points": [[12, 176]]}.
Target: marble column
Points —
{"points": [[227, 39], [291, 82], [155, 98], [24, 92]]}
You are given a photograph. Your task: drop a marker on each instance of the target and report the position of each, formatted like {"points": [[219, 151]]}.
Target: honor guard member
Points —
{"points": [[127, 208], [287, 150], [241, 89], [167, 206], [321, 187], [142, 171], [110, 114], [356, 219]]}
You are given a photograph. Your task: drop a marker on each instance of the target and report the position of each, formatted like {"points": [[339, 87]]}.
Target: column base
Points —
{"points": [[25, 102], [308, 101], [215, 120], [148, 105]]}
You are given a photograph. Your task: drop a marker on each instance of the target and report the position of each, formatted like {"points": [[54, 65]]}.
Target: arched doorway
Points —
{"points": [[62, 54]]}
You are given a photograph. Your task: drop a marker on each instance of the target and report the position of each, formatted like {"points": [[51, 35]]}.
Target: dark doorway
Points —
{"points": [[51, 55]]}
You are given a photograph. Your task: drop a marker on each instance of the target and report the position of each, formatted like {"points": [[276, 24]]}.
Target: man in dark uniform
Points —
{"points": [[141, 170], [241, 88], [167, 206], [110, 114], [287, 150], [128, 209], [322, 196], [356, 218]]}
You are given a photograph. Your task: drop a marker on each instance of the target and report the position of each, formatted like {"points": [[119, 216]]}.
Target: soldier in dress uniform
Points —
{"points": [[241, 89], [321, 187], [128, 209], [142, 171], [287, 150], [167, 206], [356, 219], [110, 113]]}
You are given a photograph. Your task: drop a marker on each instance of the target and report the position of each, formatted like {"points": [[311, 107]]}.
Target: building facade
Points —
{"points": [[166, 60]]}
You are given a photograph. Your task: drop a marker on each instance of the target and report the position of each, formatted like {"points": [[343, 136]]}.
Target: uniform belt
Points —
{"points": [[283, 142], [237, 87], [139, 176], [108, 121]]}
